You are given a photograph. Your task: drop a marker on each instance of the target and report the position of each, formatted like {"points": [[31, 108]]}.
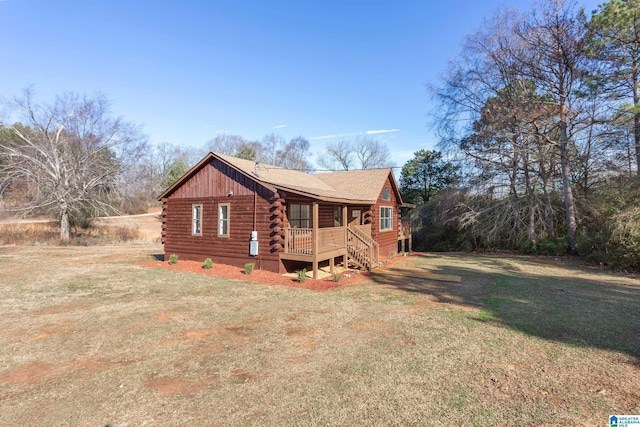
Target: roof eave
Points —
{"points": [[327, 198], [396, 188]]}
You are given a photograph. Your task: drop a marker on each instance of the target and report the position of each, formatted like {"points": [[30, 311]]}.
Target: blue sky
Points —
{"points": [[188, 70]]}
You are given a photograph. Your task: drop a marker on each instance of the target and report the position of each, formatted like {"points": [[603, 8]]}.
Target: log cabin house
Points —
{"points": [[237, 211]]}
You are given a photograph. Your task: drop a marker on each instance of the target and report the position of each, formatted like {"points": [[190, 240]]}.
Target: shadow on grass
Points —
{"points": [[157, 257], [554, 305]]}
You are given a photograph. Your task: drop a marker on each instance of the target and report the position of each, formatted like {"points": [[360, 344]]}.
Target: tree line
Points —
{"points": [[539, 124], [540, 111], [73, 159]]}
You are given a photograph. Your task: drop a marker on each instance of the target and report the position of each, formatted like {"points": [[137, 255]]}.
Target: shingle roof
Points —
{"points": [[288, 179], [361, 186], [366, 183]]}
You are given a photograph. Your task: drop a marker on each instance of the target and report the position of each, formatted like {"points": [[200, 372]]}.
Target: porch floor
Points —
{"points": [[324, 253]]}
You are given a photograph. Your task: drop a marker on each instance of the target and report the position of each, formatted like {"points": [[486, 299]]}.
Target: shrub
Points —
{"points": [[248, 267], [545, 246], [207, 264], [555, 246], [173, 259], [615, 242], [336, 277], [302, 275]]}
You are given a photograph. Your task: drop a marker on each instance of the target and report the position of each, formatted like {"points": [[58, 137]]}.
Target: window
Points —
{"points": [[223, 220], [385, 194], [386, 219], [356, 217], [299, 216], [196, 220], [337, 216]]}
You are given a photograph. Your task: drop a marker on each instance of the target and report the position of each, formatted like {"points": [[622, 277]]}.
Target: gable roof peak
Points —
{"points": [[359, 186]]}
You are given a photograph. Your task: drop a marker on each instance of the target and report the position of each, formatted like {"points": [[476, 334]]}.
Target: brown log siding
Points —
{"points": [[388, 240], [213, 184], [210, 187]]}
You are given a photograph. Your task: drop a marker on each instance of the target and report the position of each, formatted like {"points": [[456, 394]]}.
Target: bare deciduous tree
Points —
{"points": [[273, 149], [555, 60], [362, 153], [371, 153], [338, 157], [294, 155], [514, 102], [226, 144], [70, 153]]}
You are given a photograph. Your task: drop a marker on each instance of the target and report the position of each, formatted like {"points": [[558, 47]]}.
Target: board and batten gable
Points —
{"points": [[213, 185], [387, 239]]}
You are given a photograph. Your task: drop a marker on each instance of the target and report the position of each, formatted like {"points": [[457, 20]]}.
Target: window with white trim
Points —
{"points": [[386, 218], [223, 220], [299, 216], [196, 220]]}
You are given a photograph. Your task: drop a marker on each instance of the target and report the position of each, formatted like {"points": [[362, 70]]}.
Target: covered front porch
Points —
{"points": [[315, 244]]}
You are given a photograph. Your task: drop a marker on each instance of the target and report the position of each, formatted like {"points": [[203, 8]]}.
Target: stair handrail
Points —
{"points": [[369, 245]]}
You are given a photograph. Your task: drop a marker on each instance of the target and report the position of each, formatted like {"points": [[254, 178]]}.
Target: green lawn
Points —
{"points": [[90, 338]]}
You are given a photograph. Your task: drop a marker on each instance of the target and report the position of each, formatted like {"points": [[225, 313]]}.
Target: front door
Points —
{"points": [[354, 217]]}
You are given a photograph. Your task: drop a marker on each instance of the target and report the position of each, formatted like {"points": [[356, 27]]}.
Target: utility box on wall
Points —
{"points": [[253, 244]]}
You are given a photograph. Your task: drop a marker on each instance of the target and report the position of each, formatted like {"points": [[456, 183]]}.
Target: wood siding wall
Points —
{"points": [[216, 180], [388, 240], [325, 210], [210, 187]]}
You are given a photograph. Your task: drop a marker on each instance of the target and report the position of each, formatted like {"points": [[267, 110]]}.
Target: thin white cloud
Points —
{"points": [[342, 135], [326, 136], [280, 126], [375, 132]]}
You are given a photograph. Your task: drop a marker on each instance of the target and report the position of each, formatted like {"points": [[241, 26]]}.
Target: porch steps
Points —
{"points": [[362, 250]]}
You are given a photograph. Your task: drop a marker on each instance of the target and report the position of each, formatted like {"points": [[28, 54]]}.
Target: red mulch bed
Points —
{"points": [[266, 277]]}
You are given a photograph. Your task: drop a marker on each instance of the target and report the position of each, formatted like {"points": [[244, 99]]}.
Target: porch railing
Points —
{"points": [[364, 228], [330, 238], [361, 248], [300, 240]]}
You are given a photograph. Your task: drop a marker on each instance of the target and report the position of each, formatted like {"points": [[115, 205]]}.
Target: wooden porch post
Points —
{"points": [[314, 236], [345, 257]]}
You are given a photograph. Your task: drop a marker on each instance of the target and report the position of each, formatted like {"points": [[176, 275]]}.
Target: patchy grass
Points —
{"points": [[89, 338]]}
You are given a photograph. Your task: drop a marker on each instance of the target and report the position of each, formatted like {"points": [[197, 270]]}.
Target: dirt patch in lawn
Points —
{"points": [[31, 373]]}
